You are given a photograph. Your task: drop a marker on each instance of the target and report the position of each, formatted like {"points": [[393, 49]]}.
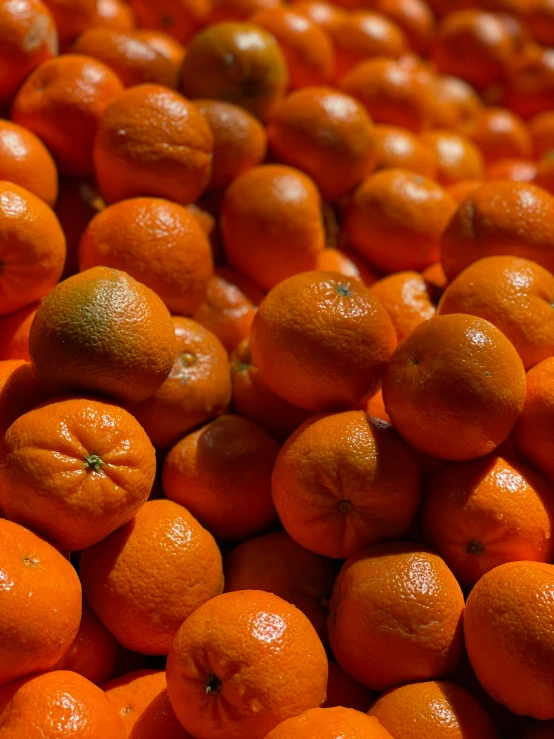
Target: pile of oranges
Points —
{"points": [[277, 369]]}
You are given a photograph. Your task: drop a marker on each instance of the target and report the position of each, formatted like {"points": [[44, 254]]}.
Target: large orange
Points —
{"points": [[179, 18], [25, 161], [330, 723], [406, 299]]}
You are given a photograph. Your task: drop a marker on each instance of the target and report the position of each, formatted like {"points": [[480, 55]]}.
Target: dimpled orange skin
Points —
{"points": [[330, 723], [405, 297], [396, 616], [256, 79], [62, 102], [344, 481], [56, 704], [454, 387], [508, 636], [20, 391], [146, 578], [514, 294], [326, 134], [152, 141], [457, 157], [242, 663], [395, 219], [179, 18], [41, 608], [515, 218], [159, 243], [400, 148], [434, 710], [75, 470], [321, 340], [499, 134], [104, 332]]}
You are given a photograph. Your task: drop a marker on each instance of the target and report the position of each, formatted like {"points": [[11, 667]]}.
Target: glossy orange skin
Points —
{"points": [[256, 80], [530, 82], [515, 218], [473, 392], [499, 134], [414, 17], [321, 340], [343, 690], [455, 103], [541, 128], [399, 603], [514, 294], [25, 161], [222, 475], [263, 657], [159, 243], [483, 513], [276, 564], [179, 18], [163, 43], [166, 150], [517, 170], [435, 710], [405, 297], [41, 609], [14, 333], [544, 176], [271, 224], [20, 391], [326, 15], [400, 148], [32, 248], [114, 14], [457, 158], [127, 576], [328, 723], [508, 639], [395, 219]]}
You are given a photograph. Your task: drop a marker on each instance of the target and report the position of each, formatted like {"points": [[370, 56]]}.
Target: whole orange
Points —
{"points": [[406, 299], [457, 158]]}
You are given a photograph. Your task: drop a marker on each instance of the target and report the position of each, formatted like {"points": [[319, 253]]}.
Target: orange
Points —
{"points": [[396, 616], [508, 636], [242, 663], [114, 14], [395, 219], [276, 564], [544, 176], [461, 189], [514, 294], [435, 280], [517, 170], [163, 43], [71, 16], [240, 140], [197, 389], [434, 710], [14, 333], [367, 481], [222, 475], [179, 18], [330, 723], [152, 141], [102, 331], [541, 128], [530, 82], [238, 10], [28, 37], [499, 134], [127, 577], [32, 248], [399, 148], [336, 260], [326, 134], [271, 223], [321, 340], [456, 157], [343, 690], [454, 387], [455, 103], [375, 407], [159, 243], [414, 17], [20, 391], [241, 63], [75, 470], [62, 102], [246, 286], [78, 201], [25, 161], [541, 21], [405, 297], [326, 15], [307, 48], [41, 604]]}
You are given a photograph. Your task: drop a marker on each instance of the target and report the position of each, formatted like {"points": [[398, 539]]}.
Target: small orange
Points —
{"points": [[544, 176], [114, 14], [517, 170], [14, 333], [25, 161], [72, 17], [399, 148], [179, 18], [405, 297], [326, 15], [343, 690], [414, 17], [455, 103], [20, 391], [238, 10], [330, 723], [457, 157], [541, 128], [499, 134], [530, 82], [164, 44], [242, 663]]}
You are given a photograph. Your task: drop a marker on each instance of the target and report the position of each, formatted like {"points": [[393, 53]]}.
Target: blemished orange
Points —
{"points": [[163, 43], [134, 61], [321, 340], [28, 36], [25, 161], [78, 201], [343, 690], [330, 723], [473, 390], [159, 243], [500, 218], [541, 129], [20, 391], [115, 14], [499, 134], [198, 387], [152, 141], [306, 47], [326, 134], [101, 331], [405, 297], [14, 333], [41, 609], [127, 577], [271, 223], [326, 15], [483, 513], [434, 710], [276, 564], [395, 219], [455, 103], [240, 140], [457, 158], [529, 82], [396, 616], [414, 17], [241, 63], [222, 475], [62, 102], [252, 653], [509, 639], [367, 480], [32, 248], [399, 148], [71, 16], [517, 170], [179, 18], [75, 470]]}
